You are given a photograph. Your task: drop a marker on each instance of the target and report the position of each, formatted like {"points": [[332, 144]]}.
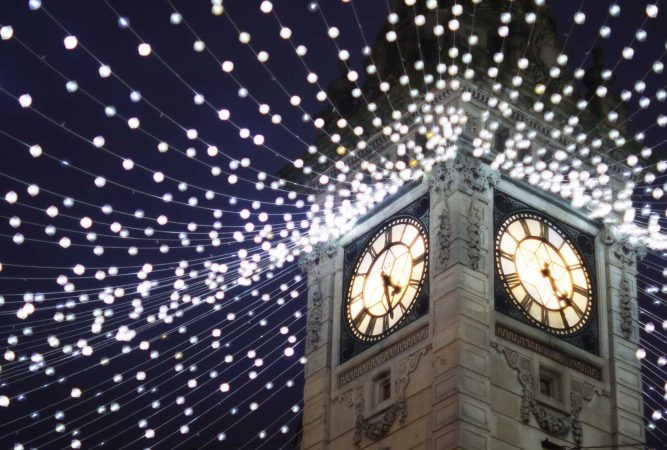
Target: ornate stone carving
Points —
{"points": [[313, 264], [380, 427], [315, 318], [556, 424], [405, 368], [376, 430], [626, 255], [625, 299], [444, 236], [442, 178], [475, 230], [314, 260], [474, 175]]}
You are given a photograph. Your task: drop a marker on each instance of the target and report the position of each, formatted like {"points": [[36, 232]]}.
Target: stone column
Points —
{"points": [[461, 299], [626, 391], [320, 269]]}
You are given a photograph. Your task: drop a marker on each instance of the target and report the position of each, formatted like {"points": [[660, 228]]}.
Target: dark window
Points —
{"points": [[382, 388], [550, 383]]}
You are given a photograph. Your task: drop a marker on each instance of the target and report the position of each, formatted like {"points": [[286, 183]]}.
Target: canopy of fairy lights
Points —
{"points": [[155, 208]]}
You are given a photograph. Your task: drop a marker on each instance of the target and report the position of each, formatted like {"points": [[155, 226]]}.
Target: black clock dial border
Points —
{"points": [[350, 345], [587, 337]]}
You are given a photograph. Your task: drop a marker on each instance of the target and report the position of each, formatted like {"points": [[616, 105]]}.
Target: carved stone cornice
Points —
{"points": [[559, 425]]}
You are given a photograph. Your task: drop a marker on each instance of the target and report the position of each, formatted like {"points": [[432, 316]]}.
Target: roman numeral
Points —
{"points": [[577, 310], [512, 280], [418, 259], [544, 231], [356, 321], [581, 290], [414, 283], [387, 237], [403, 309], [385, 322], [527, 302], [524, 225], [575, 267], [545, 316], [509, 256], [562, 314], [371, 325]]}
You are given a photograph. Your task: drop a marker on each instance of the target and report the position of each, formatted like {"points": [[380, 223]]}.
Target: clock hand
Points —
{"points": [[386, 280], [397, 287], [546, 273]]}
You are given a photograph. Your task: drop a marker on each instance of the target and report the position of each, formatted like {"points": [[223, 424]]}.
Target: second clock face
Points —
{"points": [[386, 279], [543, 273]]}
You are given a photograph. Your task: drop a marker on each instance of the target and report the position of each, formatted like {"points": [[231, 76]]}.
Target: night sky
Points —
{"points": [[265, 319]]}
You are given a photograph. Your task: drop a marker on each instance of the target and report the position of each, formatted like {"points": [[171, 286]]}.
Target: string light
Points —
{"points": [[267, 226]]}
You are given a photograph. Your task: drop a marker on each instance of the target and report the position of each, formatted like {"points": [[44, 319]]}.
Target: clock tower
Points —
{"points": [[473, 310]]}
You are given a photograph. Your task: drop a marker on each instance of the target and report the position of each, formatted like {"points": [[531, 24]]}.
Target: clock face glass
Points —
{"points": [[543, 273], [386, 279]]}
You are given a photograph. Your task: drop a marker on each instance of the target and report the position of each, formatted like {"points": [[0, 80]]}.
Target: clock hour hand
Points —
{"points": [[546, 273], [386, 280]]}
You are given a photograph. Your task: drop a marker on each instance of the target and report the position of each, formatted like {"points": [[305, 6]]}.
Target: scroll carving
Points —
{"points": [[556, 424], [375, 430]]}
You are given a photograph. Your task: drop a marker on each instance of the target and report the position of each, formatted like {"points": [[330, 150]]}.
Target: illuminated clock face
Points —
{"points": [[386, 279], [543, 273]]}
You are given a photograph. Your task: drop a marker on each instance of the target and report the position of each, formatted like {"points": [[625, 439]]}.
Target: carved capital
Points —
{"points": [[311, 263], [464, 172], [627, 254]]}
